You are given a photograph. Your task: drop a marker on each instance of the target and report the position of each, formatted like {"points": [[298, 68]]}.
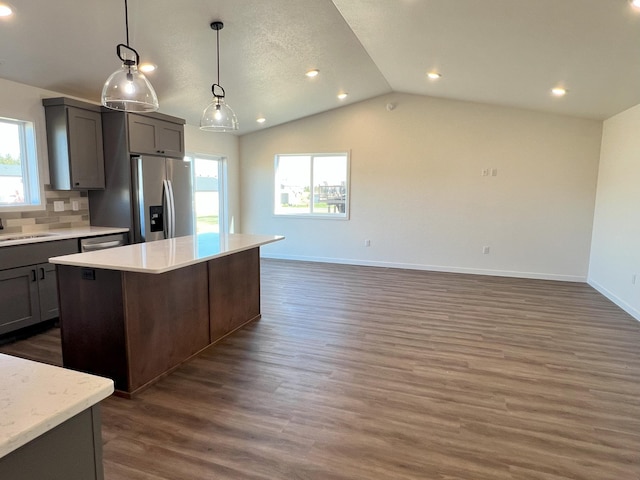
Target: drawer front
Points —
{"points": [[33, 253]]}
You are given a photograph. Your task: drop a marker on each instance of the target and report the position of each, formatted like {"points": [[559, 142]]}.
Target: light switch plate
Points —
{"points": [[58, 206]]}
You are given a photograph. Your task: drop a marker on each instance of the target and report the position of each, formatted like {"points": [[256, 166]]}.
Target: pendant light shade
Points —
{"points": [[218, 116], [127, 88]]}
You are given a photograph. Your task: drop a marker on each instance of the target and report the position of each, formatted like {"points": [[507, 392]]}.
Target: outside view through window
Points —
{"points": [[312, 185], [11, 185], [207, 194]]}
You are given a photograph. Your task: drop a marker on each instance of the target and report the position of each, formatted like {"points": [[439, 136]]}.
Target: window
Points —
{"points": [[209, 187], [312, 185], [19, 184]]}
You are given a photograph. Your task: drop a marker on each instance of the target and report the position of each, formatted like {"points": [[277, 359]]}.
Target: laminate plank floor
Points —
{"points": [[371, 373]]}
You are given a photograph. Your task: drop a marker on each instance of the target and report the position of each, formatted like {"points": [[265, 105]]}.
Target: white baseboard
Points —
{"points": [[433, 268], [615, 299]]}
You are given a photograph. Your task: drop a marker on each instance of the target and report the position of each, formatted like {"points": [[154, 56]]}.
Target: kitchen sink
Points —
{"points": [[10, 238]]}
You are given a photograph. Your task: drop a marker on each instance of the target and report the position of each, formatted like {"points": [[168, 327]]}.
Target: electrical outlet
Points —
{"points": [[367, 243], [494, 172], [75, 205], [485, 172], [58, 206], [485, 250]]}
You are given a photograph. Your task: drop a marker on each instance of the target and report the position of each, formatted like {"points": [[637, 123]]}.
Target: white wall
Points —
{"points": [[615, 253], [225, 145], [417, 191], [23, 102]]}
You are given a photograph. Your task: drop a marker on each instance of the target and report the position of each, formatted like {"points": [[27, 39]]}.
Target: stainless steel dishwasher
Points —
{"points": [[102, 242]]}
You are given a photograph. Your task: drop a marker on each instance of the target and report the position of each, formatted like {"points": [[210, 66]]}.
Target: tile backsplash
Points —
{"points": [[42, 220]]}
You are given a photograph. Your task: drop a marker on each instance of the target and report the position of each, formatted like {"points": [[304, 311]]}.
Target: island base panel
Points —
{"points": [[234, 292], [92, 322], [167, 320]]}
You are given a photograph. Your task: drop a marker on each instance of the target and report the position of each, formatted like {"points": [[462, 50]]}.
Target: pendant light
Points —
{"points": [[127, 88], [218, 116]]}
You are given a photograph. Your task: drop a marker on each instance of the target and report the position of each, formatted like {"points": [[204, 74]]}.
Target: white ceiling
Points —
{"points": [[508, 52]]}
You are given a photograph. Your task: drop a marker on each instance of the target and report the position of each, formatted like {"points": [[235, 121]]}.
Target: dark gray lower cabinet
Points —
{"points": [[28, 285], [19, 298], [28, 295], [70, 451]]}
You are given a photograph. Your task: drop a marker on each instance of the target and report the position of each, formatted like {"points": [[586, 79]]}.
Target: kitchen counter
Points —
{"points": [[57, 234], [163, 256], [35, 398]]}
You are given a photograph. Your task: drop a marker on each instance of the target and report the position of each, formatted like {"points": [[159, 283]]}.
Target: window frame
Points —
{"points": [[311, 214], [33, 187]]}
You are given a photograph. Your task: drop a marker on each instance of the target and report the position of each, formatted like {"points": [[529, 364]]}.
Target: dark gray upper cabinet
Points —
{"points": [[155, 136], [74, 140]]}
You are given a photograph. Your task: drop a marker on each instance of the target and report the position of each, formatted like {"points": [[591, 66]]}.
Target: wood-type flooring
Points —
{"points": [[370, 373]]}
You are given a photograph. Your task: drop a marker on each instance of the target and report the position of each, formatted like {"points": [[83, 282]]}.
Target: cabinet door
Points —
{"points": [[86, 155], [19, 304], [142, 135], [48, 291], [156, 137], [170, 139]]}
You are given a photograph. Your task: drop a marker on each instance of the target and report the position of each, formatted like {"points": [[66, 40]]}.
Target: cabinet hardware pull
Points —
{"points": [[41, 273], [33, 275]]}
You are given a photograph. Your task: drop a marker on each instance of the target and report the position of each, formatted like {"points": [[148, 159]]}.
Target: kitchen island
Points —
{"points": [[49, 421], [135, 313]]}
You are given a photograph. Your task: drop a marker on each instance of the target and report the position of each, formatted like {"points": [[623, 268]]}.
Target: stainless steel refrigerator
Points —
{"points": [[150, 195], [162, 198]]}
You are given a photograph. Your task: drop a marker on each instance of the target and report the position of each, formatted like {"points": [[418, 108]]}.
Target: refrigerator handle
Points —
{"points": [[138, 194], [172, 213], [166, 209]]}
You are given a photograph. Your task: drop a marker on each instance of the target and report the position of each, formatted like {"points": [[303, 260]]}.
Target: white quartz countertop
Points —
{"points": [[35, 397], [58, 234], [166, 255]]}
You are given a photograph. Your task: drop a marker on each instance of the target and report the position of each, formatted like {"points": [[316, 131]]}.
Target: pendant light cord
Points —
{"points": [[219, 95], [126, 19], [218, 52]]}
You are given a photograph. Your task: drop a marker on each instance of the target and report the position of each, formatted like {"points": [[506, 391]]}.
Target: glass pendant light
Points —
{"points": [[218, 116], [127, 88]]}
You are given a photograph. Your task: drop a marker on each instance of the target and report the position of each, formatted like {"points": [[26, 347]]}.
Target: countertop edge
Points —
{"points": [[19, 440], [42, 415], [72, 261], [61, 234]]}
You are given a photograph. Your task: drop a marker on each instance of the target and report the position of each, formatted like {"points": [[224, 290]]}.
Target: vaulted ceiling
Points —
{"points": [[507, 52]]}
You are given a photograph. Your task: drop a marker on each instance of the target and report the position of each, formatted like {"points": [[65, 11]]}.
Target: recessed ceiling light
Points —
{"points": [[342, 95], [559, 91], [312, 73], [147, 67], [5, 10], [261, 119], [434, 75], [635, 3]]}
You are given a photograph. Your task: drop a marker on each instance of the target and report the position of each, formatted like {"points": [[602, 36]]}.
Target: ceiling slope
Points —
{"points": [[507, 52]]}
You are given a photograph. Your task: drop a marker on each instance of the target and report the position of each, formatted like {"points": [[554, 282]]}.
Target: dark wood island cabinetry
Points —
{"points": [[135, 313]]}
